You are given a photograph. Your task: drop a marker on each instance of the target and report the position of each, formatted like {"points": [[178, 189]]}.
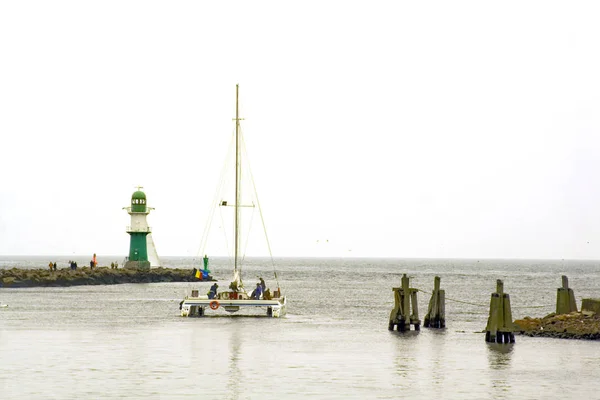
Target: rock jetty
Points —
{"points": [[18, 278], [575, 325]]}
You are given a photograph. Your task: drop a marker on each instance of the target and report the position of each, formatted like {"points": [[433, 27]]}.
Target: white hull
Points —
{"points": [[198, 306]]}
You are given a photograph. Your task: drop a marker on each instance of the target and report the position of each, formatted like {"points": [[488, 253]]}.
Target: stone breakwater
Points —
{"points": [[17, 278], [575, 325]]}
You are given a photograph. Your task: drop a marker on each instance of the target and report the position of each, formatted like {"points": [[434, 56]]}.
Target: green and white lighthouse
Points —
{"points": [[142, 252]]}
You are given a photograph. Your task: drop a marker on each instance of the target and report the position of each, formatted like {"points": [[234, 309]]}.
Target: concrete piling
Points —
{"points": [[565, 298], [500, 324], [590, 306], [401, 316], [436, 313]]}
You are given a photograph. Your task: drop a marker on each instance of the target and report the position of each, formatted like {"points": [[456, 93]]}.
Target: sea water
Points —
{"points": [[128, 341]]}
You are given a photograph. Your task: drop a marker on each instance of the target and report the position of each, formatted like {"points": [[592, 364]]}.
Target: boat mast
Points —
{"points": [[238, 173]]}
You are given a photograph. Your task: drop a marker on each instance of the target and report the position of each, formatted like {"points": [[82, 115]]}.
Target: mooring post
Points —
{"points": [[565, 298], [414, 317], [500, 325], [401, 316], [405, 301], [436, 317], [396, 313]]}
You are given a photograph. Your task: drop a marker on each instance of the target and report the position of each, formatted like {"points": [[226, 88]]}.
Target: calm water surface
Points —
{"points": [[128, 341]]}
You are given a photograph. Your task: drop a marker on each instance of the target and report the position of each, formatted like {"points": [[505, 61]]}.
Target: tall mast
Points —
{"points": [[238, 173]]}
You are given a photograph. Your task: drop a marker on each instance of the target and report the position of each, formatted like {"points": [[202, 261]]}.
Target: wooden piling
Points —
{"points": [[401, 316], [500, 325], [436, 312], [565, 298]]}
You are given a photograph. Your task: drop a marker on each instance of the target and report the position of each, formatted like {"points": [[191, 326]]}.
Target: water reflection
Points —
{"points": [[405, 359], [234, 371], [499, 354], [500, 360], [436, 347]]}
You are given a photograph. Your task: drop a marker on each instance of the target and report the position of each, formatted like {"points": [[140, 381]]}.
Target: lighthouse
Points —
{"points": [[142, 252]]}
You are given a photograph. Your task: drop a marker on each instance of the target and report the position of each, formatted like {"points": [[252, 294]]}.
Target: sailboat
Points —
{"points": [[235, 297]]}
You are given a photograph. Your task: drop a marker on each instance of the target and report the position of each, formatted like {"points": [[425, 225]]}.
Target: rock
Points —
{"points": [[85, 276], [575, 325], [8, 280], [588, 313]]}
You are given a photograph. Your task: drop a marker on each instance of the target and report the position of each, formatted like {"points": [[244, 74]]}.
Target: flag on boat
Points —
{"points": [[197, 273]]}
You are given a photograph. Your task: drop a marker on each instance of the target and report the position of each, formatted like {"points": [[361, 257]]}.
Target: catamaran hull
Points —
{"points": [[190, 306]]}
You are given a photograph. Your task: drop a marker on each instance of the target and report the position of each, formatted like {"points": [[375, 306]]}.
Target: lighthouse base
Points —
{"points": [[137, 264]]}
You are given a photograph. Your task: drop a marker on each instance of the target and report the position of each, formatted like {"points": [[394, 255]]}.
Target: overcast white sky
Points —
{"points": [[388, 128]]}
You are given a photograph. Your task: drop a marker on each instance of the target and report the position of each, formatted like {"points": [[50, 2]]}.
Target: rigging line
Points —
{"points": [[215, 201], [458, 301], [237, 261], [242, 150], [483, 305], [260, 212], [550, 305], [227, 249], [247, 236], [204, 240]]}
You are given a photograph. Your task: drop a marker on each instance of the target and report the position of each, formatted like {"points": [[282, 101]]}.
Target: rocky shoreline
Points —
{"points": [[575, 325], [23, 278]]}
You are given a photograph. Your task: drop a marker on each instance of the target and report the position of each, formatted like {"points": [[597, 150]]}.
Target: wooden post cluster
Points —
{"points": [[565, 298], [500, 324], [400, 315], [436, 313]]}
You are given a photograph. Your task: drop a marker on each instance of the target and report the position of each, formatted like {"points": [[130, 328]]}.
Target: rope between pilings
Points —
{"points": [[482, 305]]}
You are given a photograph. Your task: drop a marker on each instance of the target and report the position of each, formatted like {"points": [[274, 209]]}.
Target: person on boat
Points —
{"points": [[256, 293], [263, 285], [213, 291], [267, 295]]}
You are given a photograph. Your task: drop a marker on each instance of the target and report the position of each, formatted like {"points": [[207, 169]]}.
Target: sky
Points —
{"points": [[462, 129]]}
